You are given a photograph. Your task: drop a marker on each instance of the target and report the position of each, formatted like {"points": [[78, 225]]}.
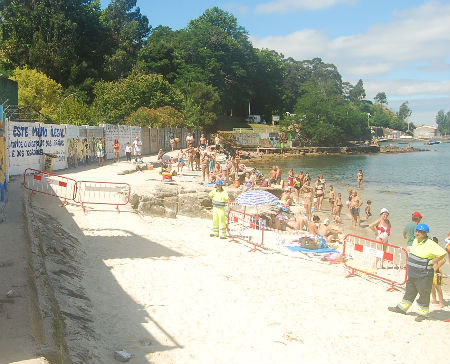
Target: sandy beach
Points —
{"points": [[166, 292]]}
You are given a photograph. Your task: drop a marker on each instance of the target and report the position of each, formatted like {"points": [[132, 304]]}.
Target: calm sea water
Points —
{"points": [[402, 183]]}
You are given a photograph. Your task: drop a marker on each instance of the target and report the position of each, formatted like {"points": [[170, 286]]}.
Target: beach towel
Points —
{"points": [[320, 251]]}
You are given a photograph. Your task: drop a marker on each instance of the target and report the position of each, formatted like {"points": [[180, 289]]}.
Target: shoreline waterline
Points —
{"points": [[390, 181]]}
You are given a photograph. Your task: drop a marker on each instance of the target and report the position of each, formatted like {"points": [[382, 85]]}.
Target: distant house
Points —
{"points": [[425, 131]]}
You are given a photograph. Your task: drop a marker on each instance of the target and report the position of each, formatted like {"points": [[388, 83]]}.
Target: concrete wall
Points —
{"points": [[74, 145]]}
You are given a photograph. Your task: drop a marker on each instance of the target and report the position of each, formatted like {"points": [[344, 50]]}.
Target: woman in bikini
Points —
{"points": [[248, 181], [319, 193], [298, 183], [331, 199], [307, 198]]}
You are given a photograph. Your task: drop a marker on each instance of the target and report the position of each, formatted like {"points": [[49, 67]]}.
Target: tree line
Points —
{"points": [[80, 64]]}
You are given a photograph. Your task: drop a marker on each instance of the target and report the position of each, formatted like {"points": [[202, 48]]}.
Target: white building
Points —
{"points": [[425, 131]]}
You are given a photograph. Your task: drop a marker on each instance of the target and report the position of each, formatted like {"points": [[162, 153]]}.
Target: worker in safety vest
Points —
{"points": [[425, 258], [219, 200]]}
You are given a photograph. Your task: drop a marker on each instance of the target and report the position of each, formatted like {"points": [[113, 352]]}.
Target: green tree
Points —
{"points": [[267, 93], [443, 122], [404, 111], [324, 117], [357, 93], [165, 116], [380, 98], [38, 91], [295, 74], [127, 29], [200, 105], [63, 39], [299, 72], [115, 100], [74, 110], [217, 47], [160, 54]]}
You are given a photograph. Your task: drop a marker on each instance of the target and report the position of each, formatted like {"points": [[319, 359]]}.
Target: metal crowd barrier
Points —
{"points": [[49, 184], [104, 193], [83, 192], [381, 260], [246, 227]]}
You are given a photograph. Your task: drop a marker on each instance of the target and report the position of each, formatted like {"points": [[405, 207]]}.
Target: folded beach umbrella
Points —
{"points": [[256, 198]]}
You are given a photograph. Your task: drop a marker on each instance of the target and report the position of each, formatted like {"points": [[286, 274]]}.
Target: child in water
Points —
{"points": [[367, 210]]}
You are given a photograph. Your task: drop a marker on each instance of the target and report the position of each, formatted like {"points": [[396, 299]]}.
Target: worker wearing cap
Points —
{"points": [[425, 258], [409, 232], [219, 200]]}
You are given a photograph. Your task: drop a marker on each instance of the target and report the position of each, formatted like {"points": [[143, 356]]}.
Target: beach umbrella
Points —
{"points": [[256, 198]]}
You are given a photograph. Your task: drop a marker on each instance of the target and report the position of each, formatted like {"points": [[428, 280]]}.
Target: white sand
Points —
{"points": [[166, 292]]}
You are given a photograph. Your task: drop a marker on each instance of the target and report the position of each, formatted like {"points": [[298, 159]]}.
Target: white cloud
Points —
{"points": [[308, 43], [421, 34], [416, 42], [417, 34], [283, 6], [406, 88]]}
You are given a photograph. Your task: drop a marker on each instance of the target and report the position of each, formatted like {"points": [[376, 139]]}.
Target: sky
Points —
{"points": [[400, 47]]}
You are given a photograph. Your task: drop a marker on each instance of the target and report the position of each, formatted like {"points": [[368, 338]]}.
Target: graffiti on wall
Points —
{"points": [[80, 151], [247, 139], [29, 141]]}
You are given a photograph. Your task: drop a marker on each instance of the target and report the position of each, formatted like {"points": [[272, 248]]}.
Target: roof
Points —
{"points": [[427, 126]]}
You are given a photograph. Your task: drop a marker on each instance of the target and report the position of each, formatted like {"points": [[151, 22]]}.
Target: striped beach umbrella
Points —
{"points": [[256, 198]]}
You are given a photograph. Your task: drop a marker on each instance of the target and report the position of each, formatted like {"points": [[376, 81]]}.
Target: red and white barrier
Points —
{"points": [[381, 260], [246, 227], [49, 184], [83, 192], [102, 193]]}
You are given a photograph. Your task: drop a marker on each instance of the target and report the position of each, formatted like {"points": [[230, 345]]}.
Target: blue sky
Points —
{"points": [[400, 47]]}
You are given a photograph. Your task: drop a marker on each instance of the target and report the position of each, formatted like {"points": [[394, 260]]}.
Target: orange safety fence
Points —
{"points": [[246, 227], [381, 260], [83, 192], [104, 193], [49, 184]]}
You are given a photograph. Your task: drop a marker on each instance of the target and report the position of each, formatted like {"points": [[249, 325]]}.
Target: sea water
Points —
{"points": [[401, 182]]}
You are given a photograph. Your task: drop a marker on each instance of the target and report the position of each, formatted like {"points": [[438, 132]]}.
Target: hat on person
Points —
{"points": [[423, 227], [416, 214], [326, 222], [383, 210], [219, 182]]}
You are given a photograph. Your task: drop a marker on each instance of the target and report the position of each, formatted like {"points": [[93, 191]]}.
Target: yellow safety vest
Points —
{"points": [[219, 199], [427, 249]]}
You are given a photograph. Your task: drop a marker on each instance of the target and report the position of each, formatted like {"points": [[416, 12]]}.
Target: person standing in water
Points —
{"points": [[360, 177]]}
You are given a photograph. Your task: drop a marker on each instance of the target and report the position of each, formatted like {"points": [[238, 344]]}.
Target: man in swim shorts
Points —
{"points": [[355, 204]]}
